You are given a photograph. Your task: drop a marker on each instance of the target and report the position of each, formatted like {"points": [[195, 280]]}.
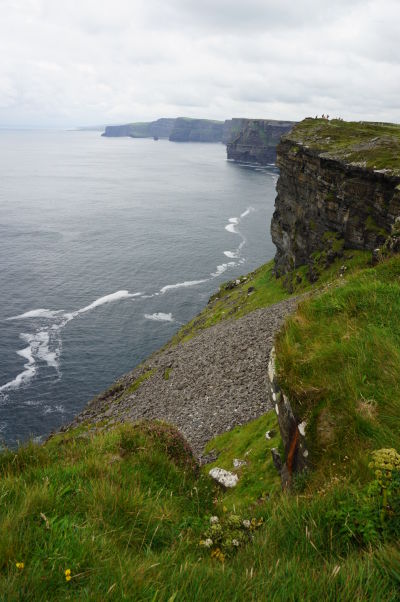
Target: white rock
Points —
{"points": [[276, 409], [302, 428], [224, 477], [305, 453], [238, 463]]}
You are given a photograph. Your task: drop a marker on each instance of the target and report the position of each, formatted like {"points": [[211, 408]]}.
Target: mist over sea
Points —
{"points": [[107, 246]]}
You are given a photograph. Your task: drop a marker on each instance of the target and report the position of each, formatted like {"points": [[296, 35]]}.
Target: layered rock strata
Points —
{"points": [[257, 140], [337, 180]]}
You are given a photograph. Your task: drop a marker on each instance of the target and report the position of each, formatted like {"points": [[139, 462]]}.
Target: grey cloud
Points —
{"points": [[113, 61]]}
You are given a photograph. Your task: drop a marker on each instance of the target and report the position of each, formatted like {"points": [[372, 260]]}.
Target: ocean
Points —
{"points": [[108, 246]]}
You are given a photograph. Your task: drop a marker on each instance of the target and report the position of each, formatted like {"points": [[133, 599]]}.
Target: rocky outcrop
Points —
{"points": [[338, 181], [196, 130], [292, 430], [257, 140]]}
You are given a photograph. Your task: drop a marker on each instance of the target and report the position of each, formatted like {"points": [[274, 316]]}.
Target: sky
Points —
{"points": [[67, 63]]}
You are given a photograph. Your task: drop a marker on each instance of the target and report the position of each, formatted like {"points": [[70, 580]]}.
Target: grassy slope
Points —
{"points": [[125, 510], [339, 360], [375, 145]]}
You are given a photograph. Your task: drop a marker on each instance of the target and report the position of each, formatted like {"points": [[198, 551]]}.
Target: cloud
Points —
{"points": [[89, 62]]}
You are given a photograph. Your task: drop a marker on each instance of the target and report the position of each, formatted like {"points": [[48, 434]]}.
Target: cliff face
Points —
{"points": [[196, 130], [231, 129], [338, 181], [256, 140], [161, 128]]}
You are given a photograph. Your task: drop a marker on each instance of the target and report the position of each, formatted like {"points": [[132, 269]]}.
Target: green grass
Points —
{"points": [[125, 512], [258, 478], [373, 145], [339, 361], [125, 509], [232, 303]]}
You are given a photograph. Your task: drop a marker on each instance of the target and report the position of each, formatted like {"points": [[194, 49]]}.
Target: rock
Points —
{"points": [[276, 458], [256, 141], [224, 477], [250, 290], [239, 463], [270, 434], [319, 192]]}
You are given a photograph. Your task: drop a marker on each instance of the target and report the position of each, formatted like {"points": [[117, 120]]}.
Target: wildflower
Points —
{"points": [[214, 520], [207, 543], [235, 543], [19, 565], [67, 574], [384, 462], [246, 524], [218, 555]]}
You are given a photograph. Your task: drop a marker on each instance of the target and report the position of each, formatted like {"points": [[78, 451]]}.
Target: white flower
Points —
{"points": [[235, 543], [208, 543], [214, 520], [246, 524]]}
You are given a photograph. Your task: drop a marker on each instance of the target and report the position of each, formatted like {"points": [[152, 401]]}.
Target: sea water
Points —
{"points": [[108, 246]]}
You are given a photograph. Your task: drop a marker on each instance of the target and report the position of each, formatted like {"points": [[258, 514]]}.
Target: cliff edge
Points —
{"points": [[339, 181]]}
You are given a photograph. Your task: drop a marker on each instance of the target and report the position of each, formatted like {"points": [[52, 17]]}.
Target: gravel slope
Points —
{"points": [[216, 381]]}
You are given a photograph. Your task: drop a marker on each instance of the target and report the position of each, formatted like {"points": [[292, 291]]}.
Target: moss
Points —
{"points": [[370, 145], [372, 226], [167, 373], [137, 383]]}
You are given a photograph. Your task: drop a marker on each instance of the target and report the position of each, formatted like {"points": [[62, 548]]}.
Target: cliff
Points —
{"points": [[161, 128], [256, 140], [196, 130], [339, 187]]}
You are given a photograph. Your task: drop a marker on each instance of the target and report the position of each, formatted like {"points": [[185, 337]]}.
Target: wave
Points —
{"points": [[169, 287], [45, 344], [24, 376], [159, 317], [247, 212], [231, 228], [107, 299], [231, 254], [222, 268], [37, 313]]}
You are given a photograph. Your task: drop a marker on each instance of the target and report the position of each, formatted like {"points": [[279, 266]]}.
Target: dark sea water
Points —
{"points": [[107, 246]]}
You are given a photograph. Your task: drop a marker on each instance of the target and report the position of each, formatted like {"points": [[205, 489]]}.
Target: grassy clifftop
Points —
{"points": [[372, 145]]}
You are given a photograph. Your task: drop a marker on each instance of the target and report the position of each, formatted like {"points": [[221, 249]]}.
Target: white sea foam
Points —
{"points": [[247, 212], [37, 313], [108, 299], [231, 228], [222, 268], [231, 254], [159, 317], [181, 285], [233, 220], [24, 376]]}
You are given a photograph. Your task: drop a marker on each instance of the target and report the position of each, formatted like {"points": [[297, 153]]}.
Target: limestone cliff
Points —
{"points": [[338, 181], [161, 128], [196, 130], [256, 140]]}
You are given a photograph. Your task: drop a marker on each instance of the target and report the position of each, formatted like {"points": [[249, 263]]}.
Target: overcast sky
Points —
{"points": [[85, 62]]}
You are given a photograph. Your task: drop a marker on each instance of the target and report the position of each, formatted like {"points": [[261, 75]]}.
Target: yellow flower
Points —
{"points": [[19, 565], [67, 574], [67, 577]]}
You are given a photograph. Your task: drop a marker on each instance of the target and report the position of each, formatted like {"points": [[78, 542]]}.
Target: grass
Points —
{"points": [[235, 301], [125, 509], [339, 361], [371, 145]]}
